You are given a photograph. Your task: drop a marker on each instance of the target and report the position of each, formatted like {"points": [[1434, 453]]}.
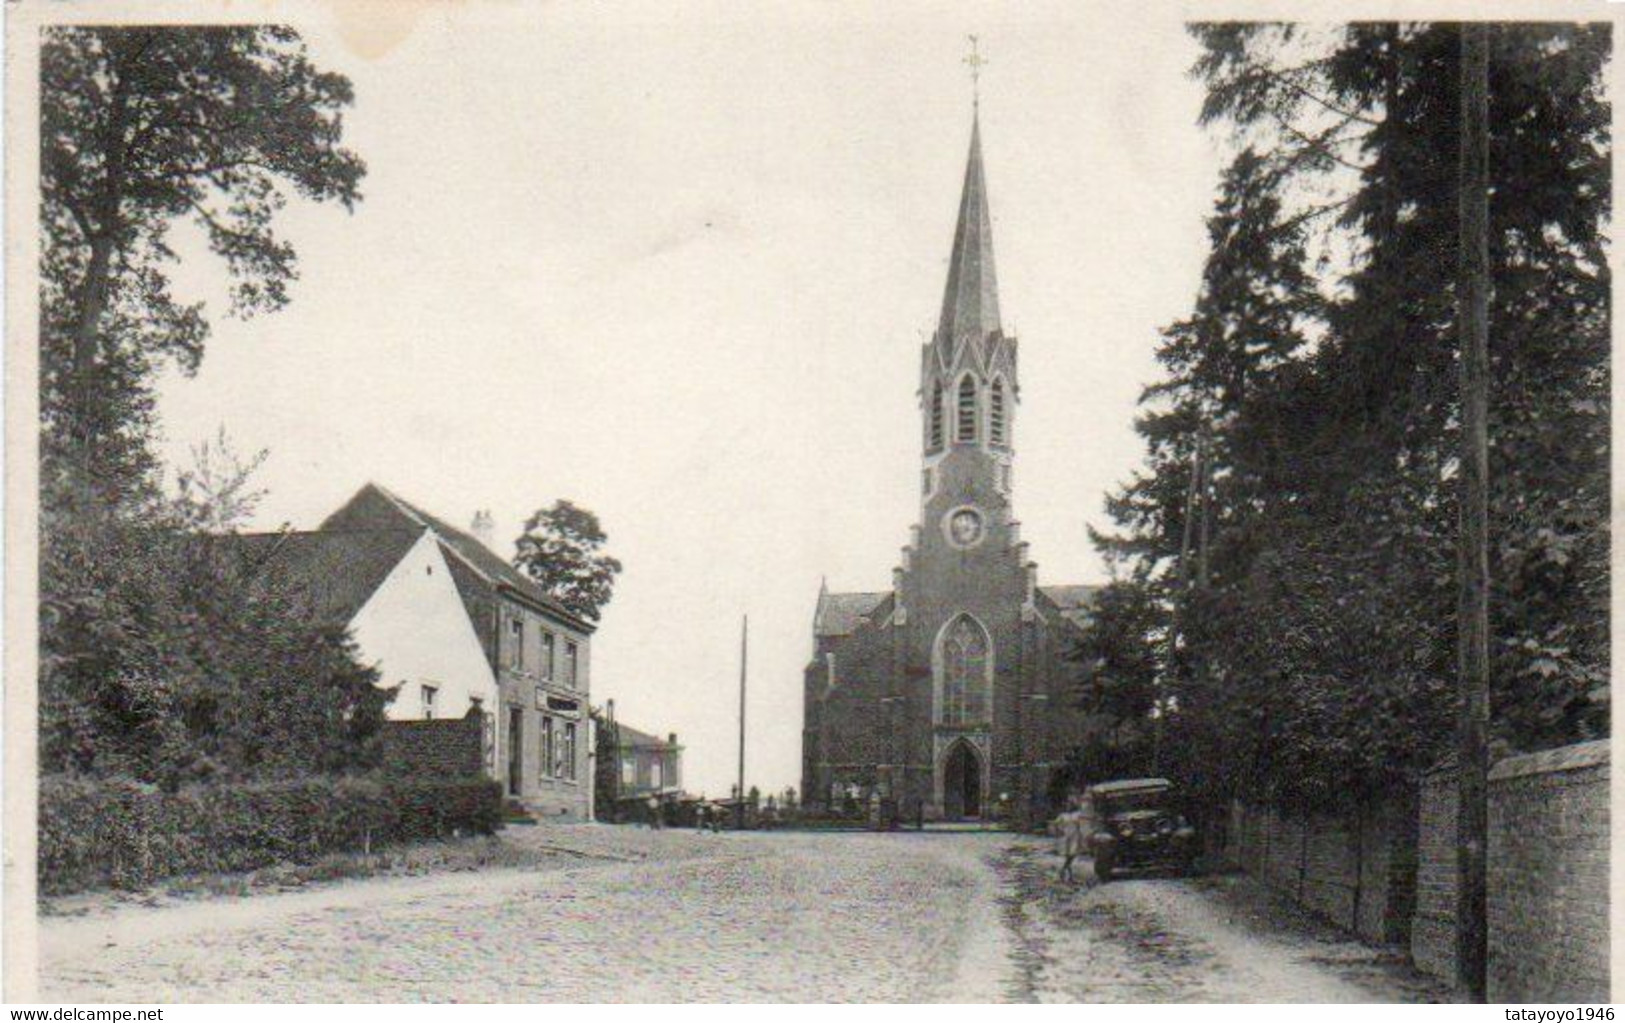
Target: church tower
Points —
{"points": [[965, 579], [968, 389], [941, 696]]}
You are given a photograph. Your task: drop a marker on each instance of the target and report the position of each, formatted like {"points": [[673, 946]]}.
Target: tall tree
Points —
{"points": [[562, 549], [140, 128], [1325, 637], [158, 657]]}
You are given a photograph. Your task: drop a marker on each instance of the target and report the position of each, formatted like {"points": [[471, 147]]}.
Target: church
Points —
{"points": [[944, 697]]}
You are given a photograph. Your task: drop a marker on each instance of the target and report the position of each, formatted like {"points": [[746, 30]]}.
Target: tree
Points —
{"points": [[174, 657], [142, 127], [1314, 656], [560, 549], [160, 655]]}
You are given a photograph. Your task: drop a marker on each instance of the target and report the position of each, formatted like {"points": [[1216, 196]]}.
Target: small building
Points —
{"points": [[454, 627], [647, 766]]}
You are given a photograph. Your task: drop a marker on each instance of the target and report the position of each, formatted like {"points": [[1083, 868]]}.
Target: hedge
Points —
{"points": [[105, 832]]}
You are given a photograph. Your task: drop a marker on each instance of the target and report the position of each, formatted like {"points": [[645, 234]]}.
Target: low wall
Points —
{"points": [[1357, 871], [1547, 864], [447, 747]]}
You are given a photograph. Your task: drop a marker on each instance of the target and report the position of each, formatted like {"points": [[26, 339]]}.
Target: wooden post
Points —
{"points": [[1472, 301], [744, 641], [1176, 599]]}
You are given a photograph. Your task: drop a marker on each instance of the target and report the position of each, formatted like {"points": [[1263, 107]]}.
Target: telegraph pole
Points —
{"points": [[1198, 471], [744, 650], [1472, 300]]}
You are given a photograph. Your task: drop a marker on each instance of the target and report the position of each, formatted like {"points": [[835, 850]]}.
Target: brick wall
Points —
{"points": [[445, 747], [1356, 870], [1548, 876], [1433, 931]]}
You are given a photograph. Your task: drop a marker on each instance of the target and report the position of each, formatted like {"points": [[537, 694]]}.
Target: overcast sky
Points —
{"points": [[677, 268]]}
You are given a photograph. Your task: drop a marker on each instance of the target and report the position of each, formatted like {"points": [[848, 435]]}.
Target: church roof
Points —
{"points": [[1073, 602], [970, 303], [839, 613]]}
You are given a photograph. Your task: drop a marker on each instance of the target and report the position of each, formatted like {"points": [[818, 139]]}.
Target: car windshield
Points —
{"points": [[1134, 802]]}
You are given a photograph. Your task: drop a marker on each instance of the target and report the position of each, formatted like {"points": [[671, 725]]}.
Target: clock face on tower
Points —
{"points": [[963, 527]]}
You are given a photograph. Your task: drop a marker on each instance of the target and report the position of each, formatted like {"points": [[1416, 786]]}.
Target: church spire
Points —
{"points": [[970, 304]]}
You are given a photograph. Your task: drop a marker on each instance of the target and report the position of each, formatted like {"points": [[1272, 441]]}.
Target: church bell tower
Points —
{"points": [[968, 382]]}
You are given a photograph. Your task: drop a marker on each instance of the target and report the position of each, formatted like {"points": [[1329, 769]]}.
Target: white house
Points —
{"points": [[454, 626]]}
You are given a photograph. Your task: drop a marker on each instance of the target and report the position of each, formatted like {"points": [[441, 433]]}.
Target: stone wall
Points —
{"points": [[447, 747], [1356, 870]]}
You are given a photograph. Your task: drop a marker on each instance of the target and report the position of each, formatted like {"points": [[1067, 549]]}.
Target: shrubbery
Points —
{"points": [[97, 833]]}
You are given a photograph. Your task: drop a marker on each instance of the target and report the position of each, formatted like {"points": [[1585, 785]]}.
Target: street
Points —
{"points": [[669, 916]]}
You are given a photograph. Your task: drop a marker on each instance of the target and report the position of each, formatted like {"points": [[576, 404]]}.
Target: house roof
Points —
{"points": [[631, 737], [1073, 602], [839, 613], [336, 570], [481, 559]]}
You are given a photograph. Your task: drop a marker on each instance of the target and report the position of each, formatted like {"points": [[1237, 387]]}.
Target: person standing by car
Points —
{"points": [[1072, 837]]}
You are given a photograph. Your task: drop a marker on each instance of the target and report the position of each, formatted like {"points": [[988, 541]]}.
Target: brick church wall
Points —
{"points": [[852, 742]]}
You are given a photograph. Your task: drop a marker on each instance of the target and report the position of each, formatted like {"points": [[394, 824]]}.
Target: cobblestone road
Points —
{"points": [[682, 917]]}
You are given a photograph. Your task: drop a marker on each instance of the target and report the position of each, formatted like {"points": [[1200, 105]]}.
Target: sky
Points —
{"points": [[676, 267]]}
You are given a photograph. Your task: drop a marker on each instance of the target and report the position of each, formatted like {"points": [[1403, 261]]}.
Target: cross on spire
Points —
{"points": [[975, 60]]}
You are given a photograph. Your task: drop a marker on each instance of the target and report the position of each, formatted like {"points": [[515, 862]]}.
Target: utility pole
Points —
{"points": [[1198, 455], [744, 650], [1472, 300]]}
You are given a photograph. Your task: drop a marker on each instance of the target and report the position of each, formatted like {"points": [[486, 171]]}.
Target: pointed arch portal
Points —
{"points": [[961, 782]]}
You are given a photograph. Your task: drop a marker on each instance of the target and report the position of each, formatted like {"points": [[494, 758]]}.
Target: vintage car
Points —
{"points": [[1138, 826]]}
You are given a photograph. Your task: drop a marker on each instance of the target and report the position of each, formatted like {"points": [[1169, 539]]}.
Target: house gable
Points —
{"points": [[416, 629]]}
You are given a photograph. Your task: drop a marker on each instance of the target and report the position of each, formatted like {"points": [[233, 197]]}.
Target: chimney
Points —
{"points": [[671, 738], [484, 529]]}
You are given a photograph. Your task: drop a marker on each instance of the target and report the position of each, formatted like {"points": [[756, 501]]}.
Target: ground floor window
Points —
{"points": [[568, 753]]}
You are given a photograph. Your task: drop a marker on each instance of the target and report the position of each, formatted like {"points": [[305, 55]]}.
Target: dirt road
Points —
{"points": [[737, 917]]}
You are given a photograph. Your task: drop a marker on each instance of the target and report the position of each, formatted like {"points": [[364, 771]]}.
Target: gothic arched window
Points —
{"points": [[998, 430], [965, 668], [937, 413], [966, 433]]}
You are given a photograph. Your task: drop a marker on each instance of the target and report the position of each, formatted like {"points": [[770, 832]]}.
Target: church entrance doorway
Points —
{"points": [[962, 783]]}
